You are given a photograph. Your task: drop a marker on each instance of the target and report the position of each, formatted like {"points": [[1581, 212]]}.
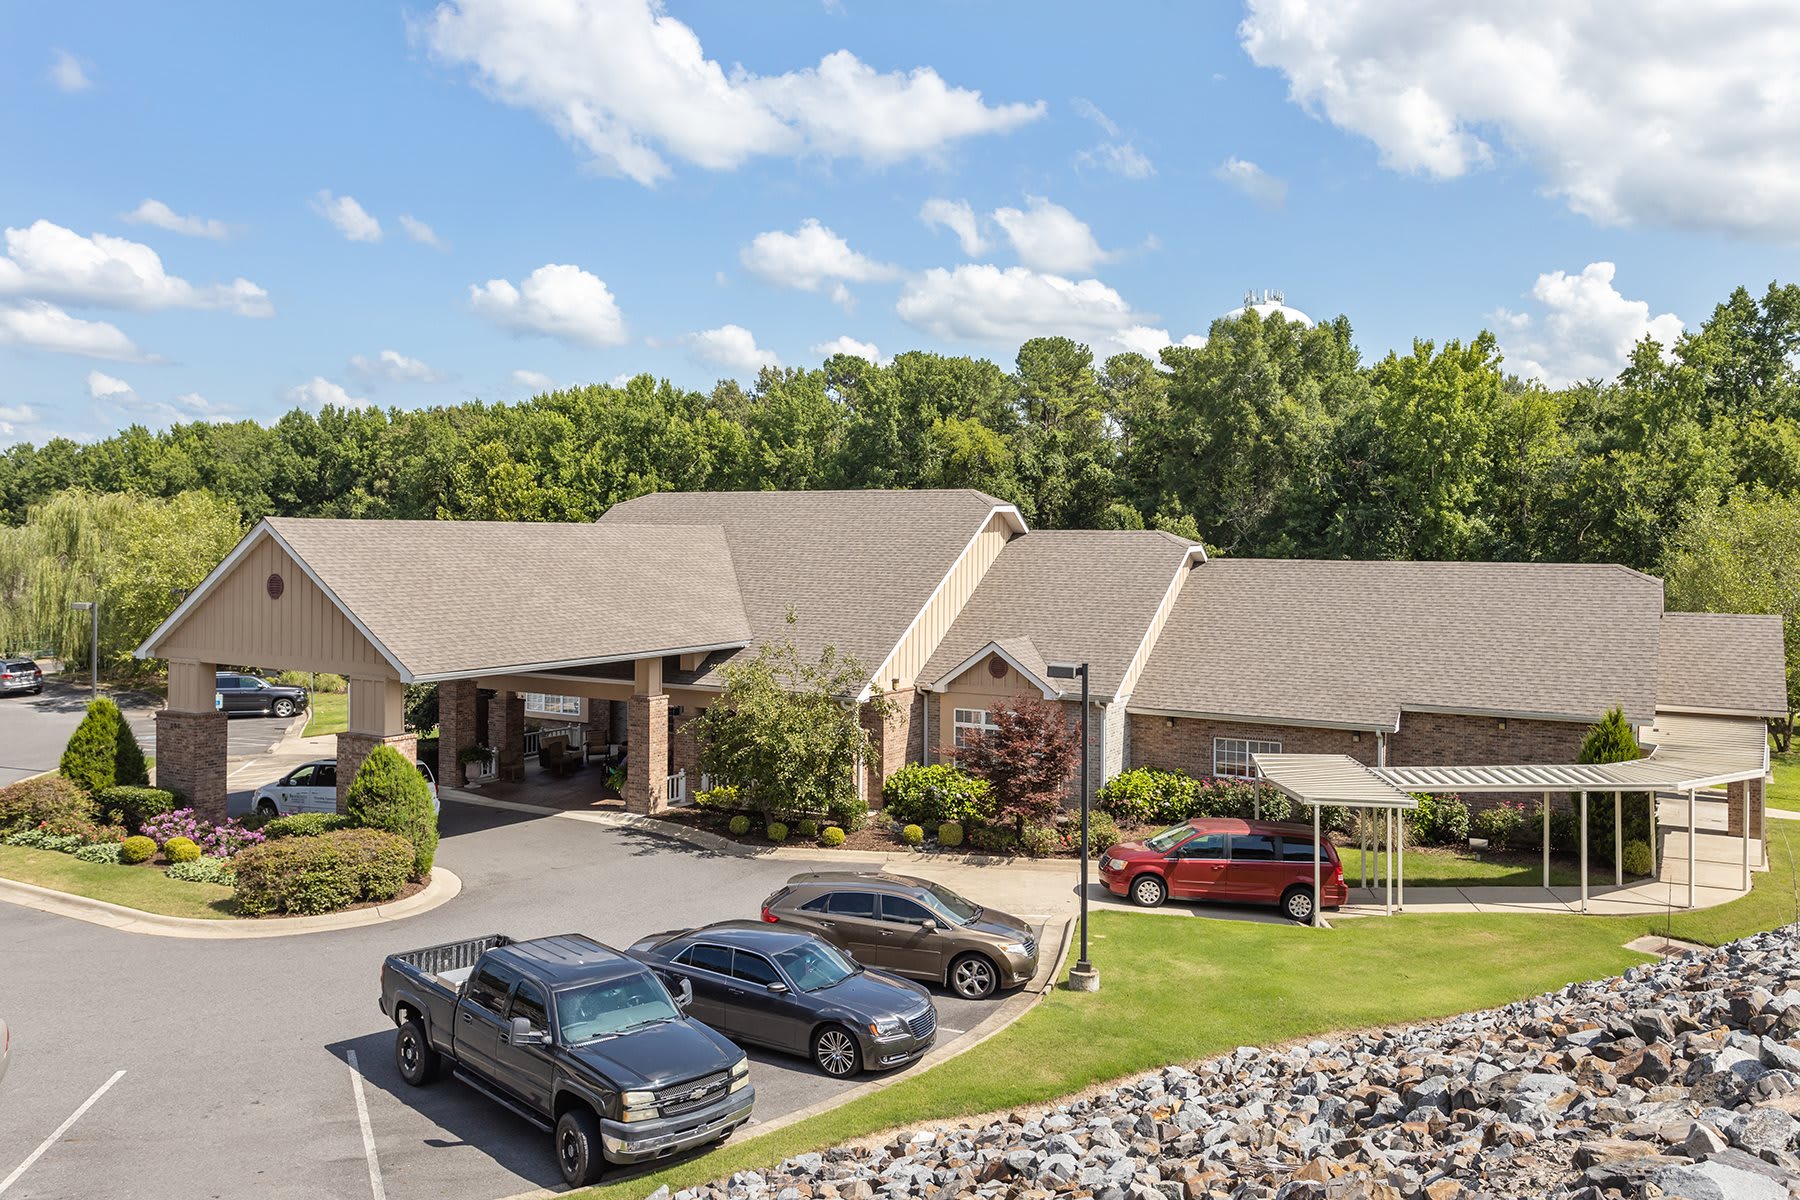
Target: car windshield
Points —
{"points": [[950, 905], [815, 965], [599, 1010], [1169, 838]]}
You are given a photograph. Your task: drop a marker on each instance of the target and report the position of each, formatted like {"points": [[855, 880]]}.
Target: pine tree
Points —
{"points": [[103, 752], [1611, 740]]}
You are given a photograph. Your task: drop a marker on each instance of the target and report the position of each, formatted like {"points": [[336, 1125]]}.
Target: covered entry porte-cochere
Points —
{"points": [[1689, 754], [598, 611]]}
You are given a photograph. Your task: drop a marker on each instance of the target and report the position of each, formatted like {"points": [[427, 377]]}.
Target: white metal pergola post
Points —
{"points": [[1584, 851], [1619, 841], [1692, 831], [1655, 850], [1546, 841], [1400, 859], [1387, 862], [1746, 883], [1318, 856]]}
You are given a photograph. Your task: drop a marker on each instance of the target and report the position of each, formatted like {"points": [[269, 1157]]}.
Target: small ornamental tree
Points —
{"points": [[787, 733], [1612, 740], [1027, 759], [103, 752], [388, 793]]}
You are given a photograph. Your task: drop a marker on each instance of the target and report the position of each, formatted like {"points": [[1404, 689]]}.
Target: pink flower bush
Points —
{"points": [[215, 841]]}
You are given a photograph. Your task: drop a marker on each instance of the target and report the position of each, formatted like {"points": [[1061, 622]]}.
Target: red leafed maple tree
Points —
{"points": [[1027, 759]]}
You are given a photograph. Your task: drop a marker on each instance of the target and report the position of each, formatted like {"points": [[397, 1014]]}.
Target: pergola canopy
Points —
{"points": [[1333, 779]]}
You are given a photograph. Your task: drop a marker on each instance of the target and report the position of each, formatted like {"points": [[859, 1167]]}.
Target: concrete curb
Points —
{"points": [[444, 887], [703, 840]]}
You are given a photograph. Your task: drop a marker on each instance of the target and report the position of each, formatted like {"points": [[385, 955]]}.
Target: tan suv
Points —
{"points": [[910, 927]]}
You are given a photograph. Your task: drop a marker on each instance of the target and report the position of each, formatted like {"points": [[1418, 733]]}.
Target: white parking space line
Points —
{"points": [[368, 1133], [60, 1130]]}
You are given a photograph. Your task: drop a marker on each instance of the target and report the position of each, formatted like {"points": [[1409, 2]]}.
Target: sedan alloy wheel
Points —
{"points": [[835, 1051]]}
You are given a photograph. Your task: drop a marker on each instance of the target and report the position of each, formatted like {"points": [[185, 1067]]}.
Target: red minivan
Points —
{"points": [[1222, 858]]}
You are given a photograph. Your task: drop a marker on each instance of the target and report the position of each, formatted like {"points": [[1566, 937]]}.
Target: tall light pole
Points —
{"points": [[92, 606], [1082, 976]]}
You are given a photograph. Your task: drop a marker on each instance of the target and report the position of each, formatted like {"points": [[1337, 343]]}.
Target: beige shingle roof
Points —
{"points": [[1722, 662], [1075, 594], [855, 567], [524, 594], [1354, 643]]}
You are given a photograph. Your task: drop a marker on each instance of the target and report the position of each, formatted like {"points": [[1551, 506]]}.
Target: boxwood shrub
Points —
{"points": [[832, 837], [309, 875], [180, 850], [808, 829], [912, 835], [950, 835], [740, 825], [935, 794], [777, 831], [306, 825], [132, 806], [136, 850]]}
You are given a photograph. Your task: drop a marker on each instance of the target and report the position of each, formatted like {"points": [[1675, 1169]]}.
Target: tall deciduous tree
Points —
{"points": [[1027, 759]]}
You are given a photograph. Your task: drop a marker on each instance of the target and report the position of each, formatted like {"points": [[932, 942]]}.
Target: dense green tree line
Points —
{"points": [[1272, 439]]}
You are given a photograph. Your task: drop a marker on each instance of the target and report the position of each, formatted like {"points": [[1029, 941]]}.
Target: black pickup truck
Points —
{"points": [[574, 1037]]}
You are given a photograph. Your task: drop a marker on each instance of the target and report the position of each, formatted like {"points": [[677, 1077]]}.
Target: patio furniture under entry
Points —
{"points": [[558, 757]]}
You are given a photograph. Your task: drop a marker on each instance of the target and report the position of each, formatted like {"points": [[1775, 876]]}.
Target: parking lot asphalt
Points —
{"points": [[34, 729], [236, 1053]]}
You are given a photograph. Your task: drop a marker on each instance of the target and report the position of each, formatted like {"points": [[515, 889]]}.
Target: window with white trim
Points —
{"points": [[550, 705], [1231, 756], [972, 720]]}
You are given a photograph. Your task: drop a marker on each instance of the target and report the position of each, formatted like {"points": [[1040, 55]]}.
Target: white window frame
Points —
{"points": [[1231, 752], [970, 720], [548, 704]]}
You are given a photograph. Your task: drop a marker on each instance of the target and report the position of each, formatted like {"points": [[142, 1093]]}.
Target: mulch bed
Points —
{"points": [[878, 834]]}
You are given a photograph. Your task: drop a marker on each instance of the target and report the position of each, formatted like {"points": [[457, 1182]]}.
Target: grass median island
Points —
{"points": [[329, 713], [1174, 991], [143, 888], [1428, 867]]}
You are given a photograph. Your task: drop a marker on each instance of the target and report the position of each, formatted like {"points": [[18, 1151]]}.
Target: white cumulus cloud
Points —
{"points": [[1048, 237], [845, 344], [1585, 328], [38, 325], [1150, 341], [631, 85], [811, 257], [155, 212], [1266, 190], [557, 300], [537, 381], [348, 217], [394, 366], [68, 73], [1677, 114], [1116, 153], [959, 218], [732, 347], [980, 302], [101, 385], [318, 392], [46, 261], [420, 232]]}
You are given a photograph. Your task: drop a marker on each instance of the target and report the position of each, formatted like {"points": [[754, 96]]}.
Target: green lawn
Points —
{"points": [[1449, 868], [144, 888], [330, 713], [1174, 991], [1785, 791]]}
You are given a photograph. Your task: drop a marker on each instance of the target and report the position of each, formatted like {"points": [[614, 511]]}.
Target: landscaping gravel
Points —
{"points": [[1680, 1078]]}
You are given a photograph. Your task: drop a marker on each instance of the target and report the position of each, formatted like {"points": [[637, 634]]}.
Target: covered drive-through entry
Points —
{"points": [[598, 611]]}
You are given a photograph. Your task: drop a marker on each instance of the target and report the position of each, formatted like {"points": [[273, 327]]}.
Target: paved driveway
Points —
{"points": [[235, 1052], [34, 729]]}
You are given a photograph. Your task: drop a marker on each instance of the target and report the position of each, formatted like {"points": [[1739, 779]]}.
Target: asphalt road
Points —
{"points": [[34, 729], [235, 1053]]}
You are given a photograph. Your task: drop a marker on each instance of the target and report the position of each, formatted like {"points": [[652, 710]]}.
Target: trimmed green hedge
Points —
{"points": [[131, 806], [936, 795], [306, 825], [389, 793], [309, 875]]}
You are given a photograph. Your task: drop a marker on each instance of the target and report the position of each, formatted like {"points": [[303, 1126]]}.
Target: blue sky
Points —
{"points": [[692, 188]]}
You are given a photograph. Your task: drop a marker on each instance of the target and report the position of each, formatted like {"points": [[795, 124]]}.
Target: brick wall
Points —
{"points": [[1734, 796], [685, 749], [190, 759], [456, 727], [506, 733], [352, 748], [1426, 739], [1186, 744]]}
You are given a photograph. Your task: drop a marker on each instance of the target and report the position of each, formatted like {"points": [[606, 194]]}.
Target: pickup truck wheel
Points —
{"points": [[284, 707], [414, 1058], [578, 1150], [836, 1052]]}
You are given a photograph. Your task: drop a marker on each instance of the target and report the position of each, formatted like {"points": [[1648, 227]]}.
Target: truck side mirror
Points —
{"points": [[520, 1033], [684, 993]]}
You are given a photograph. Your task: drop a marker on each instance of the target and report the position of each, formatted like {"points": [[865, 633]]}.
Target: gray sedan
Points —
{"points": [[792, 991]]}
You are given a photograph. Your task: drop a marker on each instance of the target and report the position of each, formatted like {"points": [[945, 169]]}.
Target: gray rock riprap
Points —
{"points": [[1677, 1079]]}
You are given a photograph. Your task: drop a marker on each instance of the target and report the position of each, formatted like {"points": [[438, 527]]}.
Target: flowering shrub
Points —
{"points": [[204, 870], [31, 802], [1501, 824], [220, 841], [99, 852]]}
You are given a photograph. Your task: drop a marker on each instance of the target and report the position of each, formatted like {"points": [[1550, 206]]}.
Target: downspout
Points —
{"points": [[925, 729]]}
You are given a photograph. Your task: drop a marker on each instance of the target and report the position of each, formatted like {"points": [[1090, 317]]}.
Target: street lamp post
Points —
{"points": [[1082, 976], [92, 606]]}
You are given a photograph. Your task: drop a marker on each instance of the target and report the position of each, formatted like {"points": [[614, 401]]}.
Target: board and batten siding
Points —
{"points": [[238, 624], [922, 640]]}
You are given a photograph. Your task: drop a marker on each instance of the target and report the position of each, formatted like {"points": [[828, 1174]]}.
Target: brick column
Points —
{"points": [[647, 762], [191, 740], [506, 733], [890, 740], [456, 728], [1735, 796], [377, 718], [686, 750]]}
